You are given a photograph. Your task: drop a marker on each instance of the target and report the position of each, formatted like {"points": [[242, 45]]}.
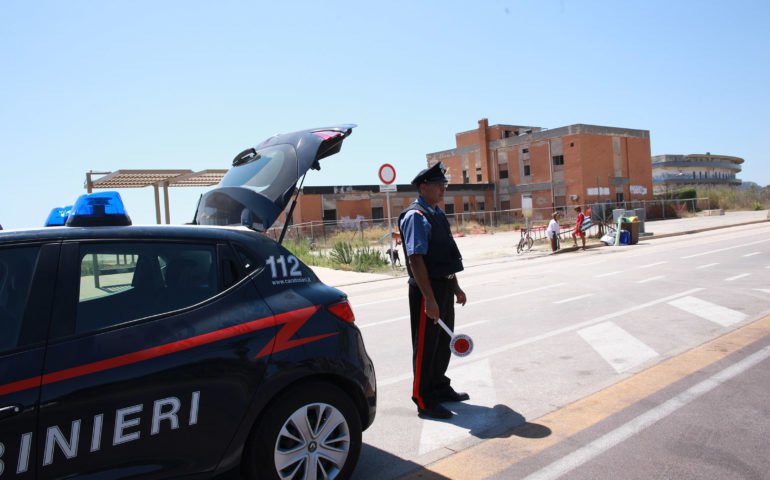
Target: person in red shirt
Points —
{"points": [[578, 231]]}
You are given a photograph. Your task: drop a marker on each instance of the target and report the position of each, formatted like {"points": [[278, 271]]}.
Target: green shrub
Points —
{"points": [[342, 253], [367, 258]]}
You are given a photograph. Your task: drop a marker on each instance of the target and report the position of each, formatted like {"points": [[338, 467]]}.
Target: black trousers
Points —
{"points": [[430, 343]]}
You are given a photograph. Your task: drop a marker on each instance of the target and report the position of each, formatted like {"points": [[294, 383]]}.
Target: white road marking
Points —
{"points": [[652, 264], [737, 277], [475, 414], [752, 254], [588, 452], [710, 311], [651, 279], [707, 265], [492, 299], [765, 290], [619, 348], [607, 274], [573, 298], [486, 353], [726, 248]]}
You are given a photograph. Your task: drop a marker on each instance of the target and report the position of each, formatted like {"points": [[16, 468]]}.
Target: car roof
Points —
{"points": [[133, 232]]}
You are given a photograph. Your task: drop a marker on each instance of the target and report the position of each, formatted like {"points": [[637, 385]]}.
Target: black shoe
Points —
{"points": [[436, 411], [452, 396]]}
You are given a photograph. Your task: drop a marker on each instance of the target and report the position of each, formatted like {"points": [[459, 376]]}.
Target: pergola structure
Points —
{"points": [[156, 179]]}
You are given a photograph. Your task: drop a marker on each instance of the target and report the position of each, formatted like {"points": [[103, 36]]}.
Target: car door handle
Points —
{"points": [[9, 411]]}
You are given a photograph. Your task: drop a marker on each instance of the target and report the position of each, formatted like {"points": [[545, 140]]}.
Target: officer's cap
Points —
{"points": [[432, 174]]}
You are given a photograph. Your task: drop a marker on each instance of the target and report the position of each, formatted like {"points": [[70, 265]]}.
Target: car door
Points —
{"points": [[27, 274], [150, 368]]}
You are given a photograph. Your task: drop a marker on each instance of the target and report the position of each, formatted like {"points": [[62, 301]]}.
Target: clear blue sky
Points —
{"points": [[107, 85]]}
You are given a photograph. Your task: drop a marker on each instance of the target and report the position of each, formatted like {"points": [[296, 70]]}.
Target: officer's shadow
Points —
{"points": [[499, 421]]}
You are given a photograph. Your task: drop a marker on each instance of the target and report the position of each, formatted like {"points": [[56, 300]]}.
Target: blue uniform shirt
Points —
{"points": [[416, 229]]}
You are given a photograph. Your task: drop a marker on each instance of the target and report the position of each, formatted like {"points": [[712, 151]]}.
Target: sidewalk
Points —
{"points": [[482, 249]]}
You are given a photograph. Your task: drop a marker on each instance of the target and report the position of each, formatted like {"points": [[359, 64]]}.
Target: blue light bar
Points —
{"points": [[98, 210], [58, 216]]}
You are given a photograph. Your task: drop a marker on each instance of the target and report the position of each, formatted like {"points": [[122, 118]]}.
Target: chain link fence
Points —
{"points": [[323, 234]]}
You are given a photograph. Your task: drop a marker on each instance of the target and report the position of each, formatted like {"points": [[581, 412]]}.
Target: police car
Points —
{"points": [[192, 351]]}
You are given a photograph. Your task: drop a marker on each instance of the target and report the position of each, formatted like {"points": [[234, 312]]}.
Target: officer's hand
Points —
{"points": [[431, 310], [460, 296]]}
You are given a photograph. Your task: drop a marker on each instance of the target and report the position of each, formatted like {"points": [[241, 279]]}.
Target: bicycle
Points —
{"points": [[526, 241]]}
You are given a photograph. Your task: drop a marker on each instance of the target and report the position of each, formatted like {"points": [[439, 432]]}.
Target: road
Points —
{"points": [[554, 332]]}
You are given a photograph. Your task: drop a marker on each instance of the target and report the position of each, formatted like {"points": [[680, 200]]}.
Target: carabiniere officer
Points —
{"points": [[433, 261]]}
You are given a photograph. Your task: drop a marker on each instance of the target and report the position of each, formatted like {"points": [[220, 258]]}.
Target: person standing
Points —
{"points": [[578, 231], [432, 260], [552, 232]]}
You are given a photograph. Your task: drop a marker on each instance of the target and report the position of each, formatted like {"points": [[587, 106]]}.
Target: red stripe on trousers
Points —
{"points": [[418, 361]]}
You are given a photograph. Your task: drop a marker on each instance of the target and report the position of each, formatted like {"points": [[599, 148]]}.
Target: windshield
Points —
{"points": [[271, 173]]}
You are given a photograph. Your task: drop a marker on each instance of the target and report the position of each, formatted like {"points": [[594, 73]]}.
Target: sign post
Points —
{"points": [[388, 176]]}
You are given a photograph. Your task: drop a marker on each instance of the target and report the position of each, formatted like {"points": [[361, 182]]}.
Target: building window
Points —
{"points": [[505, 205], [330, 215], [478, 174], [465, 177], [526, 170], [558, 160], [619, 197], [506, 133], [378, 213], [480, 206], [524, 150], [449, 208], [466, 207], [503, 174]]}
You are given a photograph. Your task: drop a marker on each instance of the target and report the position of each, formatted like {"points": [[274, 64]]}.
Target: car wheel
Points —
{"points": [[311, 431]]}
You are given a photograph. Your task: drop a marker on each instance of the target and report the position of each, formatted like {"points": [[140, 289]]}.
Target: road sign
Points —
{"points": [[387, 173], [388, 188]]}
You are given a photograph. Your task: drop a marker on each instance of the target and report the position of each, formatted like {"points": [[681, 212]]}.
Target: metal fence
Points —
{"points": [[321, 234]]}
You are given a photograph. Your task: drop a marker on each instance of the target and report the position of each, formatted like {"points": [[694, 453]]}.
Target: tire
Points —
{"points": [[520, 246], [310, 431], [530, 242]]}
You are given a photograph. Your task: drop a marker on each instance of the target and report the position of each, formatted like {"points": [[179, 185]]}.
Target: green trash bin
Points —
{"points": [[633, 230]]}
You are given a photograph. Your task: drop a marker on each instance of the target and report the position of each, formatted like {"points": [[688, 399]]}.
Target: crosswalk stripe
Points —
{"points": [[476, 379], [715, 313], [619, 348], [765, 290], [752, 254]]}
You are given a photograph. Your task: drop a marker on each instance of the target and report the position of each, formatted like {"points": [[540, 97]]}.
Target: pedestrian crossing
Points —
{"points": [[619, 348]]}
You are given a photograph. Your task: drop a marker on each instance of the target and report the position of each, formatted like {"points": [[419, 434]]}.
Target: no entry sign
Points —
{"points": [[387, 173]]}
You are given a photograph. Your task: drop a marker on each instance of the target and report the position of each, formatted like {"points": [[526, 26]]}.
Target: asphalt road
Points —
{"points": [[557, 336]]}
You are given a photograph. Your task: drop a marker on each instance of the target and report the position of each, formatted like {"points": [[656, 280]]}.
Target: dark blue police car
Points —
{"points": [[180, 351]]}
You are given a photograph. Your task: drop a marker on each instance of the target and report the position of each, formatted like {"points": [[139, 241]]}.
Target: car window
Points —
{"points": [[124, 282], [16, 268]]}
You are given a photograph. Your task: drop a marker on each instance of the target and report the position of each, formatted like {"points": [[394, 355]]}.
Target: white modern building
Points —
{"points": [[672, 172]]}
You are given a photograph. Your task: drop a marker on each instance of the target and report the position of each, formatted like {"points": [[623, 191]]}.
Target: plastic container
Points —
{"points": [[625, 237], [633, 229]]}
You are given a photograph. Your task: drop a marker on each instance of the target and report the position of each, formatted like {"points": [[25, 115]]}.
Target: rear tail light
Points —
{"points": [[327, 134], [342, 311]]}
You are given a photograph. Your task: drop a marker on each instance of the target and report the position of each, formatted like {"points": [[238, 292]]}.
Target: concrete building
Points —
{"points": [[671, 172], [561, 167], [353, 203], [492, 168]]}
